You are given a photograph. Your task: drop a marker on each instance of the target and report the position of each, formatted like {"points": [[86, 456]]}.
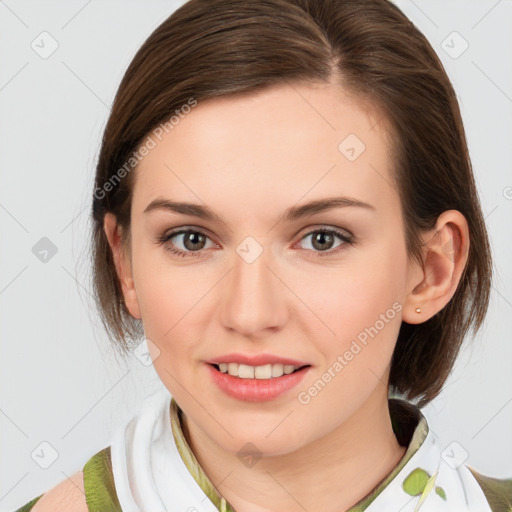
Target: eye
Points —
{"points": [[324, 238], [191, 241]]}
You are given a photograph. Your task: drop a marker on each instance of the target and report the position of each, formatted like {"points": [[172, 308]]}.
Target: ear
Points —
{"points": [[445, 254], [123, 264]]}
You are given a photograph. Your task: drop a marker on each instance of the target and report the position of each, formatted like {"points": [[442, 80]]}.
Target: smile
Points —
{"points": [[256, 383]]}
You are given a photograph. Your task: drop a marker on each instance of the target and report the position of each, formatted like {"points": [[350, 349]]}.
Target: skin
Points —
{"points": [[67, 495], [249, 158]]}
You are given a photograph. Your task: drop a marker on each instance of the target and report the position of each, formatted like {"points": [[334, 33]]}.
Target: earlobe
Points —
{"points": [[122, 263], [445, 256]]}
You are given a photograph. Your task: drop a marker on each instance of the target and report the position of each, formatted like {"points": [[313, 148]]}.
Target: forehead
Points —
{"points": [[270, 147]]}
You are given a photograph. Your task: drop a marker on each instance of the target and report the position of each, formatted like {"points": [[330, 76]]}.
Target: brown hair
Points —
{"points": [[211, 48]]}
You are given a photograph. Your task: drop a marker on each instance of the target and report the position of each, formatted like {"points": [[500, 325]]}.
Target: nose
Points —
{"points": [[254, 298]]}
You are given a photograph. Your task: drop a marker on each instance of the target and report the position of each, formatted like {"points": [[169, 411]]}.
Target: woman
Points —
{"points": [[284, 207]]}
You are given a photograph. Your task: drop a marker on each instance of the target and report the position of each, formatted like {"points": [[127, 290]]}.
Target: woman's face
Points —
{"points": [[255, 280]]}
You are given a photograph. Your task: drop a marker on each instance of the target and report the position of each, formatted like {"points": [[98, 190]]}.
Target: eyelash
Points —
{"points": [[347, 239]]}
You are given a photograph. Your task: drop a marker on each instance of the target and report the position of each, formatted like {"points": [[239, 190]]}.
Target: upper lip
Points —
{"points": [[256, 360]]}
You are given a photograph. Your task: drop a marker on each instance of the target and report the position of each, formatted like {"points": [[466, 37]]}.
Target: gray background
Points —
{"points": [[60, 381]]}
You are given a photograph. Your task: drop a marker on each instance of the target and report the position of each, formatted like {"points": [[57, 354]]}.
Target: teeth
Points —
{"points": [[263, 372], [267, 371], [277, 370], [245, 371]]}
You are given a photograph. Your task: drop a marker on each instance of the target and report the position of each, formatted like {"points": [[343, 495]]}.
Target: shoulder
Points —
{"points": [[91, 489], [498, 491], [68, 495]]}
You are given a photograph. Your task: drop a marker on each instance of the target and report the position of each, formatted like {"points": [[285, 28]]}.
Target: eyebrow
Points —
{"points": [[291, 214]]}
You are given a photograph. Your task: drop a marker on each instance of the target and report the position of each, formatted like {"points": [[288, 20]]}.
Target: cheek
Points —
{"points": [[357, 289], [360, 301], [168, 297], [361, 305]]}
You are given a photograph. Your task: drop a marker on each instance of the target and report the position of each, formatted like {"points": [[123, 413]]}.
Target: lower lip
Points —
{"points": [[256, 390]]}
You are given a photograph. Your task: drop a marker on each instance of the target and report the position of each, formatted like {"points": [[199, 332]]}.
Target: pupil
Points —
{"points": [[194, 239], [322, 237]]}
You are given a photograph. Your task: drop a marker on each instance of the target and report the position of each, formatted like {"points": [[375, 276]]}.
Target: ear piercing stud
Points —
{"points": [[418, 310]]}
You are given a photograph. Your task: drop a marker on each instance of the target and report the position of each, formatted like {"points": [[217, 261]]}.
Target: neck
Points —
{"points": [[330, 474]]}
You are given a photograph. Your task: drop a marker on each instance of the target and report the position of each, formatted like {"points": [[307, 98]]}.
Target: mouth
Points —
{"points": [[263, 372], [257, 383]]}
